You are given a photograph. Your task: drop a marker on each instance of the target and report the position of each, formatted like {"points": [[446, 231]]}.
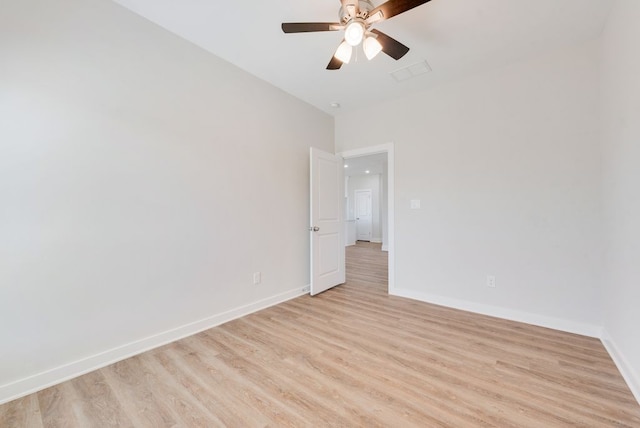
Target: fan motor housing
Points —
{"points": [[364, 6]]}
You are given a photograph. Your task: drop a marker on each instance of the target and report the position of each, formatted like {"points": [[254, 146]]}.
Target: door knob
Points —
{"points": [[314, 229]]}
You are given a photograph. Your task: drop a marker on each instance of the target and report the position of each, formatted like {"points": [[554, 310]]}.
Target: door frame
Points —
{"points": [[387, 148]]}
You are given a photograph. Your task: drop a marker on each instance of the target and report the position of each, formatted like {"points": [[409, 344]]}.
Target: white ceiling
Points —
{"points": [[360, 165], [456, 37]]}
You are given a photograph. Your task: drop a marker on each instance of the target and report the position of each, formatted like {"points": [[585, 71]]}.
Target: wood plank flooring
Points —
{"points": [[352, 356]]}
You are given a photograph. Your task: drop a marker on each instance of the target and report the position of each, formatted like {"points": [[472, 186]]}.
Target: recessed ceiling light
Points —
{"points": [[346, 166], [335, 105], [366, 172]]}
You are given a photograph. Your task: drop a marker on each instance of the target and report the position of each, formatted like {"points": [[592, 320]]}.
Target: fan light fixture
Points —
{"points": [[372, 47], [354, 33], [356, 18], [344, 51]]}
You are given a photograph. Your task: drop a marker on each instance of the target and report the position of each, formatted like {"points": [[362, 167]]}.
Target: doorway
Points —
{"points": [[378, 163]]}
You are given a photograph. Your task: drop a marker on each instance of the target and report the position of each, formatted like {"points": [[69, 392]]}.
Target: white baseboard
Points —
{"points": [[628, 373], [40, 381], [500, 312], [385, 247], [376, 240]]}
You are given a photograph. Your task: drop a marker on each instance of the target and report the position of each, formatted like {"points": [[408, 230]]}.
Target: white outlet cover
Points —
{"points": [[415, 204]]}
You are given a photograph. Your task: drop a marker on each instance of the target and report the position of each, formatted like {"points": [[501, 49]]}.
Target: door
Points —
{"points": [[363, 215], [326, 228]]}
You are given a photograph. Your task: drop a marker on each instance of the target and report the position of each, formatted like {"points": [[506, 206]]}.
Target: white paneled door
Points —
{"points": [[326, 228], [363, 215]]}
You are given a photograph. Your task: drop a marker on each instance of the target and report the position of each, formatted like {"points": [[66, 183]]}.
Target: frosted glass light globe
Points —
{"points": [[344, 52], [353, 33], [371, 47]]}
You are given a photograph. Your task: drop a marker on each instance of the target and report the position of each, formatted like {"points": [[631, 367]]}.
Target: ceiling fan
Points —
{"points": [[356, 19]]}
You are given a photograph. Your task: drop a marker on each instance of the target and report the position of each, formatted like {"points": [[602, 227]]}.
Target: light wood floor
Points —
{"points": [[352, 356]]}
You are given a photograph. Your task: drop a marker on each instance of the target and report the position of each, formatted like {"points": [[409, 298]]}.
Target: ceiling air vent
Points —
{"points": [[413, 70]]}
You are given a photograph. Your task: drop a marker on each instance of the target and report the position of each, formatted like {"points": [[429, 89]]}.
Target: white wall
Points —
{"points": [[142, 182], [367, 182], [621, 143], [507, 166]]}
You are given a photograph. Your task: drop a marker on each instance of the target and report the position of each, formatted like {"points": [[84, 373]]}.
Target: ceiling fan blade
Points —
{"points": [[334, 64], [390, 46], [308, 27], [395, 7]]}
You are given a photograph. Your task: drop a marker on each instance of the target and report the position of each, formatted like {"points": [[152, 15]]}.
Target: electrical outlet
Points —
{"points": [[257, 278], [491, 281]]}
